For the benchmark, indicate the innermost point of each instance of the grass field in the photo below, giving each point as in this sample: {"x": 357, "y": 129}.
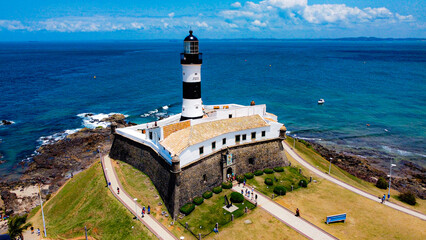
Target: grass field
{"x": 317, "y": 160}
{"x": 289, "y": 177}
{"x": 263, "y": 225}
{"x": 86, "y": 201}
{"x": 366, "y": 219}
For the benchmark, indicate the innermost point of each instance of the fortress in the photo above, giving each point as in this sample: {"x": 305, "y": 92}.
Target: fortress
{"x": 190, "y": 153}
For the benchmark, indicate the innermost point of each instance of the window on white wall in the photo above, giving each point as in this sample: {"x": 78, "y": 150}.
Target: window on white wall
{"x": 224, "y": 141}
{"x": 213, "y": 145}
{"x": 237, "y": 138}
{"x": 201, "y": 150}
{"x": 263, "y": 133}
{"x": 244, "y": 137}
{"x": 253, "y": 135}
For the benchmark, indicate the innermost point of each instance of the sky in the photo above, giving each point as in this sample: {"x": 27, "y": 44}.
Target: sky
{"x": 49, "y": 20}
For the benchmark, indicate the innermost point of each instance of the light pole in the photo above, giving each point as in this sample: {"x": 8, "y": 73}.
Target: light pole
{"x": 294, "y": 141}
{"x": 42, "y": 212}
{"x": 390, "y": 177}
{"x": 136, "y": 212}
{"x": 329, "y": 168}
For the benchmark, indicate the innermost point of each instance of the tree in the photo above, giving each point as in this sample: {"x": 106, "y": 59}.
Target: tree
{"x": 382, "y": 183}
{"x": 17, "y": 226}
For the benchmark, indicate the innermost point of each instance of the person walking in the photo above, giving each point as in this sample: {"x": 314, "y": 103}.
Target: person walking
{"x": 118, "y": 190}
{"x": 383, "y": 198}
{"x": 149, "y": 209}
{"x": 32, "y": 230}
{"x": 242, "y": 192}
{"x": 38, "y": 231}
{"x": 297, "y": 212}
{"x": 255, "y": 198}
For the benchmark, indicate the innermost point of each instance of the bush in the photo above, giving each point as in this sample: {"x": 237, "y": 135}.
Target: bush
{"x": 237, "y": 197}
{"x": 303, "y": 183}
{"x": 268, "y": 171}
{"x": 280, "y": 190}
{"x": 226, "y": 185}
{"x": 407, "y": 197}
{"x": 217, "y": 189}
{"x": 278, "y": 169}
{"x": 187, "y": 208}
{"x": 198, "y": 200}
{"x": 269, "y": 182}
{"x": 258, "y": 172}
{"x": 207, "y": 195}
{"x": 382, "y": 183}
{"x": 249, "y": 175}
{"x": 240, "y": 179}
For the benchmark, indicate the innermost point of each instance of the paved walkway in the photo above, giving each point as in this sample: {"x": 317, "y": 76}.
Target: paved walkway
{"x": 149, "y": 221}
{"x": 349, "y": 187}
{"x": 299, "y": 224}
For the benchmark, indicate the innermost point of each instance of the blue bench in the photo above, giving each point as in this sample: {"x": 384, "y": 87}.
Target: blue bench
{"x": 336, "y": 218}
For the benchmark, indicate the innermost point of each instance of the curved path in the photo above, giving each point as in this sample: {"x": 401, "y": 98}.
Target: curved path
{"x": 349, "y": 187}
{"x": 281, "y": 213}
{"x": 160, "y": 231}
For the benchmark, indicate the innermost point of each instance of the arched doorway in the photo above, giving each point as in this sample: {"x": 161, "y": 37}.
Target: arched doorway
{"x": 229, "y": 172}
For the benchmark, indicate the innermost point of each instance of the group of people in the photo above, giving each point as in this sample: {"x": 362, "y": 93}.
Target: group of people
{"x": 247, "y": 193}
{"x": 143, "y": 210}
{"x": 32, "y": 231}
{"x": 230, "y": 177}
{"x": 384, "y": 198}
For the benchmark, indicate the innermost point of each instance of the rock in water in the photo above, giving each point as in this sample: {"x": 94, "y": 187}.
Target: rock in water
{"x": 6, "y": 122}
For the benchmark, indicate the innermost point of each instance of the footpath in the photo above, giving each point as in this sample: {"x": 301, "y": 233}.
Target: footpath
{"x": 349, "y": 187}
{"x": 160, "y": 231}
{"x": 281, "y": 213}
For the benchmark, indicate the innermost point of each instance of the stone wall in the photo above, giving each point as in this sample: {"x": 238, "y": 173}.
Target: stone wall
{"x": 193, "y": 180}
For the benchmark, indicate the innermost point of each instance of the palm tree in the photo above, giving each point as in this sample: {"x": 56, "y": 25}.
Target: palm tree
{"x": 17, "y": 226}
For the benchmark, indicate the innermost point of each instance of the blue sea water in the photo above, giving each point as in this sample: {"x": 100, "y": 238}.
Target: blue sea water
{"x": 45, "y": 85}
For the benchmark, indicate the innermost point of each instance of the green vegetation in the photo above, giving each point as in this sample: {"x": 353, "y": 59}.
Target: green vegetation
{"x": 217, "y": 189}
{"x": 278, "y": 169}
{"x": 205, "y": 216}
{"x": 268, "y": 171}
{"x": 240, "y": 178}
{"x": 303, "y": 183}
{"x": 226, "y": 185}
{"x": 198, "y": 200}
{"x": 280, "y": 190}
{"x": 249, "y": 175}
{"x": 237, "y": 197}
{"x": 207, "y": 195}
{"x": 288, "y": 177}
{"x": 17, "y": 225}
{"x": 408, "y": 197}
{"x": 187, "y": 208}
{"x": 382, "y": 183}
{"x": 269, "y": 182}
{"x": 258, "y": 172}
{"x": 85, "y": 201}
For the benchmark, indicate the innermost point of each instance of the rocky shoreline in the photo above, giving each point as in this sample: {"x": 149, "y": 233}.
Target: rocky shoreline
{"x": 54, "y": 164}
{"x": 59, "y": 161}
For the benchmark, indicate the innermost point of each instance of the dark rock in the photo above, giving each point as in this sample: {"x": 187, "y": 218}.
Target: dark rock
{"x": 6, "y": 122}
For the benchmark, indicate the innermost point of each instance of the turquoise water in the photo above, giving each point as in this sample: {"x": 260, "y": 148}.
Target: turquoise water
{"x": 44, "y": 86}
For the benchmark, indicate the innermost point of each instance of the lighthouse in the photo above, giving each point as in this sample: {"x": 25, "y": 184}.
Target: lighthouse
{"x": 191, "y": 60}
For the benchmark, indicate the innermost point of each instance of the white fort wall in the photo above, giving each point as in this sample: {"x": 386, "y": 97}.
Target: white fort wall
{"x": 192, "y": 153}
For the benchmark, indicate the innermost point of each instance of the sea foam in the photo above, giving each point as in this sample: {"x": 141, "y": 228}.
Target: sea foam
{"x": 93, "y": 120}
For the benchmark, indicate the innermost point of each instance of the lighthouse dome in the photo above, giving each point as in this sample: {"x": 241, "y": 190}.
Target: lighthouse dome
{"x": 190, "y": 37}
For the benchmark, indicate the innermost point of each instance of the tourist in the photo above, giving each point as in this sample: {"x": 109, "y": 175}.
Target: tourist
{"x": 297, "y": 212}
{"x": 248, "y": 194}
{"x": 38, "y": 231}
{"x": 32, "y": 230}
{"x": 255, "y": 198}
{"x": 118, "y": 190}
{"x": 215, "y": 230}
{"x": 242, "y": 192}
{"x": 383, "y": 198}
{"x": 252, "y": 189}
{"x": 149, "y": 209}
{"x": 244, "y": 183}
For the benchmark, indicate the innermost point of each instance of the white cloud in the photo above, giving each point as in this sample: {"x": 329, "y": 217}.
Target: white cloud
{"x": 201, "y": 24}
{"x": 171, "y": 15}
{"x": 284, "y": 4}
{"x": 12, "y": 25}
{"x": 236, "y": 4}
{"x": 258, "y": 23}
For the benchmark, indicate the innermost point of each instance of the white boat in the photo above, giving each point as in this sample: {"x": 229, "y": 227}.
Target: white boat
{"x": 321, "y": 101}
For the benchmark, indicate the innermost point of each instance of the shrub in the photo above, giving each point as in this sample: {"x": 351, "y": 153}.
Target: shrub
{"x": 249, "y": 175}
{"x": 226, "y": 185}
{"x": 240, "y": 178}
{"x": 303, "y": 183}
{"x": 258, "y": 172}
{"x": 237, "y": 197}
{"x": 207, "y": 195}
{"x": 269, "y": 181}
{"x": 278, "y": 169}
{"x": 217, "y": 189}
{"x": 198, "y": 200}
{"x": 268, "y": 171}
{"x": 407, "y": 197}
{"x": 382, "y": 183}
{"x": 187, "y": 208}
{"x": 280, "y": 190}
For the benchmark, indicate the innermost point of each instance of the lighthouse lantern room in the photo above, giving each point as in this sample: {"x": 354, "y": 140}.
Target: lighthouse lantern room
{"x": 191, "y": 60}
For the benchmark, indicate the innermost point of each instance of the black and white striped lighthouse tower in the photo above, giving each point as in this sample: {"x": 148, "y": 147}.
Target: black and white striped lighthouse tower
{"x": 191, "y": 60}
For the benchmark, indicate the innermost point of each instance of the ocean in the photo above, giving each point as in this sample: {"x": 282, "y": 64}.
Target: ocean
{"x": 374, "y": 91}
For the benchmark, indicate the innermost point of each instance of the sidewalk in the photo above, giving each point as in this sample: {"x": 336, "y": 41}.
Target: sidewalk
{"x": 160, "y": 231}
{"x": 299, "y": 224}
{"x": 349, "y": 187}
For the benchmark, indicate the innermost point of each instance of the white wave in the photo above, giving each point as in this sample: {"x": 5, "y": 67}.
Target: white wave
{"x": 45, "y": 140}
{"x": 153, "y": 111}
{"x": 92, "y": 120}
{"x": 158, "y": 113}
{"x": 11, "y": 122}
{"x": 165, "y": 107}
{"x": 397, "y": 151}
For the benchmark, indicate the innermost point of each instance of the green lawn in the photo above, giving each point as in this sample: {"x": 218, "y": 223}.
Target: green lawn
{"x": 289, "y": 177}
{"x": 86, "y": 201}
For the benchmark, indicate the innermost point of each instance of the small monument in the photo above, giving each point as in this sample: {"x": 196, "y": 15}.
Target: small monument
{"x": 228, "y": 205}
